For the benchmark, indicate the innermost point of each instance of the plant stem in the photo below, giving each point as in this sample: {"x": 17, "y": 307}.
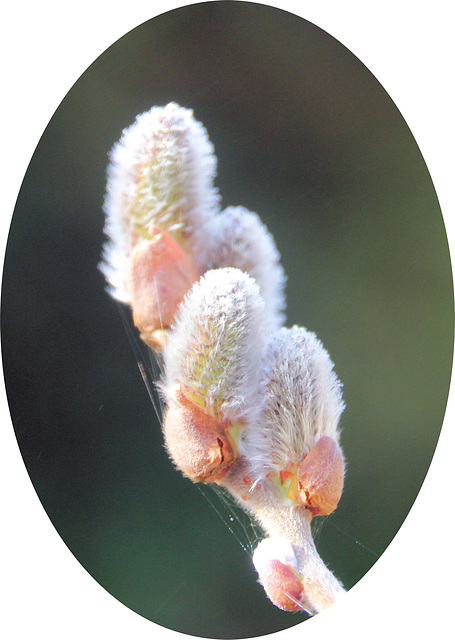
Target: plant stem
{"x": 320, "y": 587}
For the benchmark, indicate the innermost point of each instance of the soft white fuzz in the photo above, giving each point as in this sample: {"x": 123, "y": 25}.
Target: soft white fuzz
{"x": 275, "y": 548}
{"x": 216, "y": 344}
{"x": 302, "y": 402}
{"x": 238, "y": 238}
{"x": 248, "y": 401}
{"x": 161, "y": 173}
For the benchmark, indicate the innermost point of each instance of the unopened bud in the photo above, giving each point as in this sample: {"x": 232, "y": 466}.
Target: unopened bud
{"x": 302, "y": 403}
{"x": 160, "y": 174}
{"x": 238, "y": 238}
{"x": 277, "y": 567}
{"x": 216, "y": 344}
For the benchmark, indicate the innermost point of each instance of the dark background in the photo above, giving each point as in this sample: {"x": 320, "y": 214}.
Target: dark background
{"x": 306, "y": 137}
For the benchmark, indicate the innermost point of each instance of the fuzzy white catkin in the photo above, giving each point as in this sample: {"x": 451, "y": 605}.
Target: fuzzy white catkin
{"x": 215, "y": 346}
{"x": 161, "y": 172}
{"x": 302, "y": 403}
{"x": 238, "y": 238}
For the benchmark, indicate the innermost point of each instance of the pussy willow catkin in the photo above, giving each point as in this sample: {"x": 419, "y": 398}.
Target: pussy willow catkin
{"x": 251, "y": 405}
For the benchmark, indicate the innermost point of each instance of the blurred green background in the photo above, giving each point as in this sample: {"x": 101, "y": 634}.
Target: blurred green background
{"x": 306, "y": 137}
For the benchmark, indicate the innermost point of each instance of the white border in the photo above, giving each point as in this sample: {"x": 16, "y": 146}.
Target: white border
{"x": 45, "y": 47}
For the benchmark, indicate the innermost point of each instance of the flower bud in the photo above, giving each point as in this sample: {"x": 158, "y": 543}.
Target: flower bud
{"x": 238, "y": 238}
{"x": 160, "y": 174}
{"x": 276, "y": 563}
{"x": 302, "y": 403}
{"x": 214, "y": 349}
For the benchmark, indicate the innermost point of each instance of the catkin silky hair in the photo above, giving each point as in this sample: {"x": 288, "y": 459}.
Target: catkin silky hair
{"x": 250, "y": 405}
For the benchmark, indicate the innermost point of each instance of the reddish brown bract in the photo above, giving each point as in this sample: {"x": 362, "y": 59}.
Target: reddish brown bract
{"x": 320, "y": 477}
{"x": 282, "y": 585}
{"x": 196, "y": 441}
{"x": 160, "y": 273}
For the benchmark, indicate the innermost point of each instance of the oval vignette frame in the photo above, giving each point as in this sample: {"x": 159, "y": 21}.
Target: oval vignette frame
{"x": 297, "y": 318}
